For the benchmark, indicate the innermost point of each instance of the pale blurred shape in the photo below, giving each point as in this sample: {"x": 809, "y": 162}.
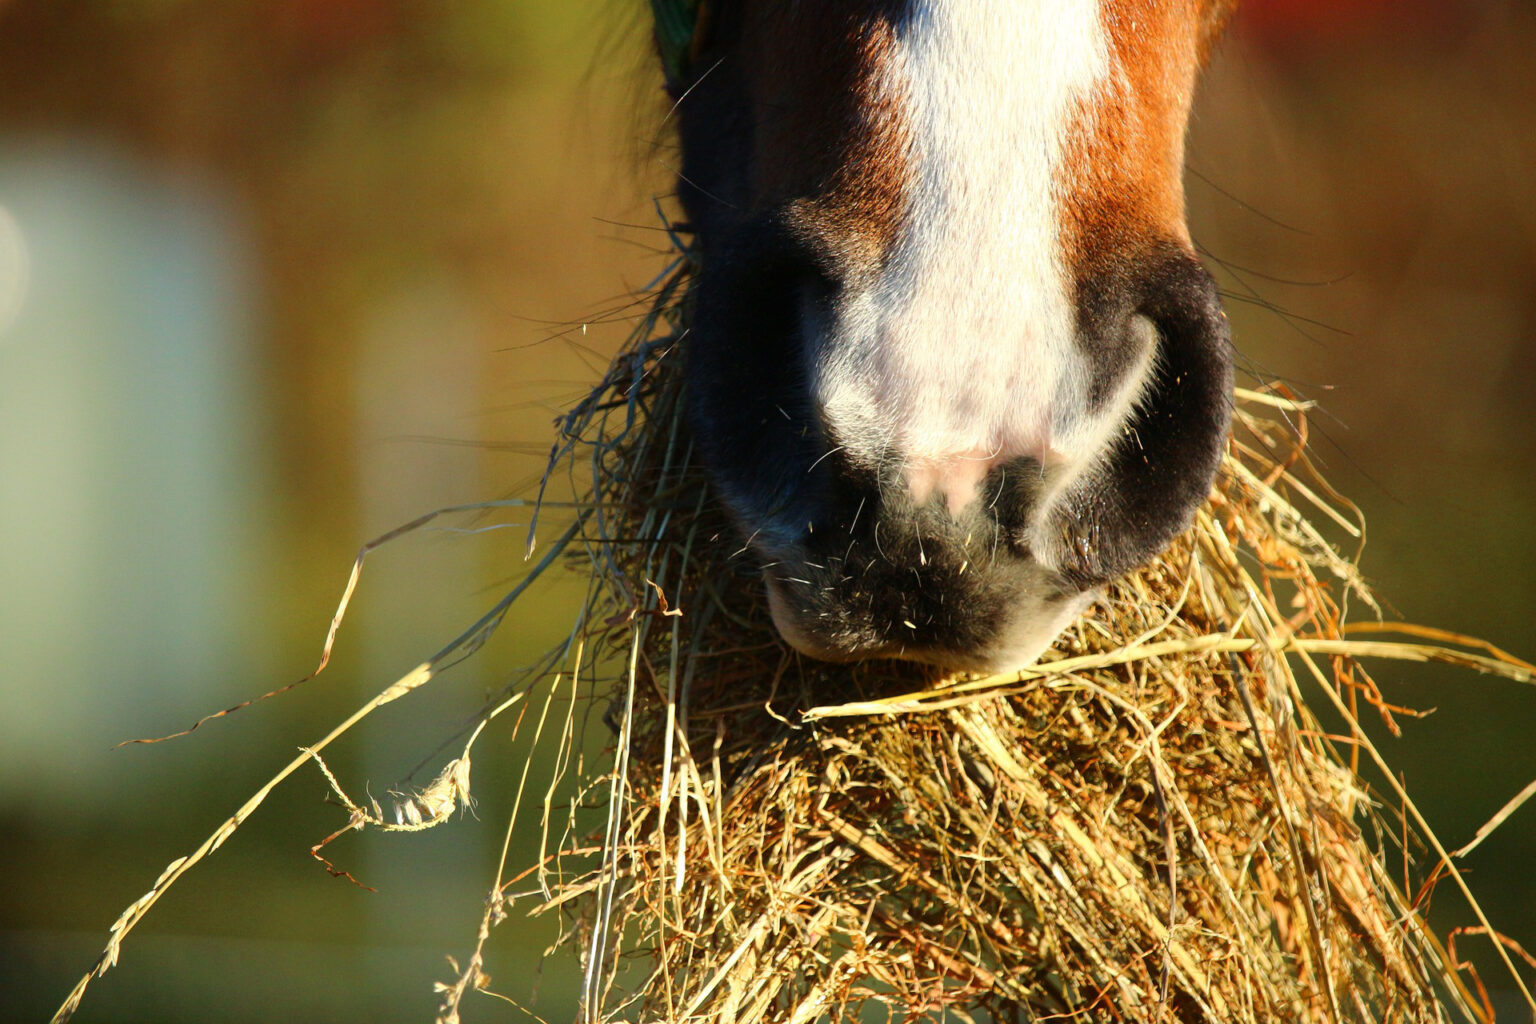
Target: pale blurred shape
{"x": 128, "y": 436}
{"x": 15, "y": 270}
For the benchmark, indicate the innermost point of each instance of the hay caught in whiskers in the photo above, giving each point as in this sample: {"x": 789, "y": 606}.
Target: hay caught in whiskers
{"x": 1151, "y": 824}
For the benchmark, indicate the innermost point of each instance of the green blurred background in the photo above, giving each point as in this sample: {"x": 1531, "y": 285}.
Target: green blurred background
{"x": 277, "y": 275}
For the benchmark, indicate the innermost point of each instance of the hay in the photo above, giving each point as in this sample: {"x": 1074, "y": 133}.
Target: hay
{"x": 1149, "y": 825}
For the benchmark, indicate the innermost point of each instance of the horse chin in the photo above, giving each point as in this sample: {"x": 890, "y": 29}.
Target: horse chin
{"x": 792, "y": 633}
{"x": 1025, "y": 635}
{"x": 1033, "y": 637}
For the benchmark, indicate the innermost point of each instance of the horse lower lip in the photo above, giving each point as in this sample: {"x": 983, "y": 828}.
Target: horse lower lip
{"x": 796, "y": 637}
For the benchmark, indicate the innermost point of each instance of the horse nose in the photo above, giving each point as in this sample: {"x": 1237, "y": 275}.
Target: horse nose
{"x": 943, "y": 533}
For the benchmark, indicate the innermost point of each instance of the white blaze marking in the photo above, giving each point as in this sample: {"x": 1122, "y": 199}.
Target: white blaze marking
{"x": 961, "y": 353}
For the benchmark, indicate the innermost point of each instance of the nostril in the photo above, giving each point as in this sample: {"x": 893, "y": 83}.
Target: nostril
{"x": 1161, "y": 466}
{"x": 1008, "y": 507}
{"x": 751, "y": 407}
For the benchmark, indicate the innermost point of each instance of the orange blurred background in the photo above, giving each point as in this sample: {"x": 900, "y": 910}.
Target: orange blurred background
{"x": 277, "y": 275}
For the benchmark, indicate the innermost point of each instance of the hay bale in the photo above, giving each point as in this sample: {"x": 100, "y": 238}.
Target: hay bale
{"x": 1149, "y": 825}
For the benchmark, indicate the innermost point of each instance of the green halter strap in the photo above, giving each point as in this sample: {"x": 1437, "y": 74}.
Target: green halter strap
{"x": 676, "y": 23}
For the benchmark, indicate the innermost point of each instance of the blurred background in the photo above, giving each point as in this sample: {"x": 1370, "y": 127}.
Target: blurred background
{"x": 278, "y": 275}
